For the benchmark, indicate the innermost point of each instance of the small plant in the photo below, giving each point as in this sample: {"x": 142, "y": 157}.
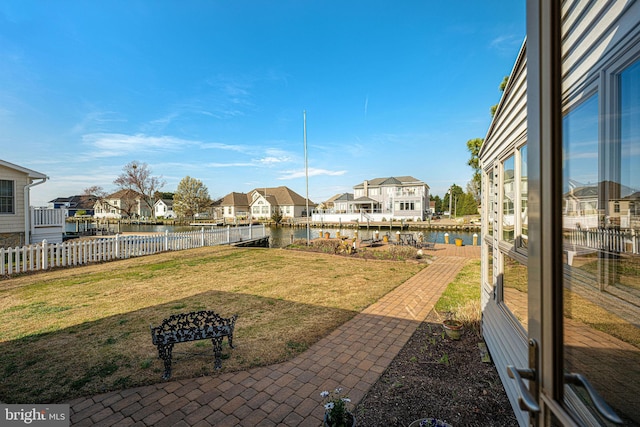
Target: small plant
{"x": 336, "y": 413}
{"x": 444, "y": 359}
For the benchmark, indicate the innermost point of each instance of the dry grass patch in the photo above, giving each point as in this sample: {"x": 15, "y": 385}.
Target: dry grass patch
{"x": 461, "y": 298}
{"x": 85, "y": 330}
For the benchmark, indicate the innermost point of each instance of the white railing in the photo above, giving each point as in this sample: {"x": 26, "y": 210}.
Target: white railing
{"x": 361, "y": 217}
{"x": 73, "y": 253}
{"x": 609, "y": 240}
{"x": 44, "y": 217}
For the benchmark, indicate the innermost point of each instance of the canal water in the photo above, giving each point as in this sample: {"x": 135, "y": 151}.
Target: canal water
{"x": 283, "y": 236}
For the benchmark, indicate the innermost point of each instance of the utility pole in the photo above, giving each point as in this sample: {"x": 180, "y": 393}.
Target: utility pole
{"x": 455, "y": 209}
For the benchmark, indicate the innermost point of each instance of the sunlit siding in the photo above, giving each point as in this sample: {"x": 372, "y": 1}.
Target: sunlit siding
{"x": 14, "y": 223}
{"x": 508, "y": 130}
{"x": 596, "y": 35}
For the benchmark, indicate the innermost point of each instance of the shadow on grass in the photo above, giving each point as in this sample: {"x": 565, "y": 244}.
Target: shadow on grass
{"x": 116, "y": 352}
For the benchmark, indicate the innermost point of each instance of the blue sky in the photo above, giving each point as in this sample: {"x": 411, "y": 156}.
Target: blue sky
{"x": 216, "y": 90}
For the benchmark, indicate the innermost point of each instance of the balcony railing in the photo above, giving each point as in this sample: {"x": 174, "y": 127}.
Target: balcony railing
{"x": 44, "y": 217}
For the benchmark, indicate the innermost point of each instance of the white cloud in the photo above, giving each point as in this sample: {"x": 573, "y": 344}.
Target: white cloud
{"x": 230, "y": 165}
{"x": 295, "y": 174}
{"x": 270, "y": 160}
{"x": 96, "y": 121}
{"x": 117, "y": 144}
{"x": 506, "y": 43}
{"x": 221, "y": 146}
{"x": 162, "y": 122}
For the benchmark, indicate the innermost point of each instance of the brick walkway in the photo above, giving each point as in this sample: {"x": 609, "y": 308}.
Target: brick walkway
{"x": 287, "y": 394}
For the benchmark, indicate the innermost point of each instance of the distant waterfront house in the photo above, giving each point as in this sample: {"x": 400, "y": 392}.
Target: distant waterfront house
{"x": 21, "y": 224}
{"x": 266, "y": 201}
{"x": 122, "y": 204}
{"x": 164, "y": 208}
{"x": 74, "y": 204}
{"x": 216, "y": 209}
{"x": 625, "y": 212}
{"x": 235, "y": 206}
{"x": 340, "y": 203}
{"x": 263, "y": 202}
{"x": 398, "y": 198}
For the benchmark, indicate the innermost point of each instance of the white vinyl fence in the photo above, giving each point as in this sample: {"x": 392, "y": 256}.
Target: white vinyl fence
{"x": 609, "y": 240}
{"x": 71, "y": 253}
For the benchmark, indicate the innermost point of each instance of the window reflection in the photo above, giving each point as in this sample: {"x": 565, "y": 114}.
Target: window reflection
{"x": 515, "y": 288}
{"x": 601, "y": 228}
{"x": 524, "y": 193}
{"x": 508, "y": 201}
{"x": 492, "y": 199}
{"x": 489, "y": 266}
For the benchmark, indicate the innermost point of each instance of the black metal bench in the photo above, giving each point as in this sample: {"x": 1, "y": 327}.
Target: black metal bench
{"x": 185, "y": 327}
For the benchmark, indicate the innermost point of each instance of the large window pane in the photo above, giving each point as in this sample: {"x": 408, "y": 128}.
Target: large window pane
{"x": 601, "y": 184}
{"x": 515, "y": 289}
{"x": 491, "y": 195}
{"x": 6, "y": 196}
{"x": 524, "y": 193}
{"x": 489, "y": 265}
{"x": 508, "y": 200}
{"x": 630, "y": 135}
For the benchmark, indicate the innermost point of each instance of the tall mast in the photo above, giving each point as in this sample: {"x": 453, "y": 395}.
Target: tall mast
{"x": 306, "y": 170}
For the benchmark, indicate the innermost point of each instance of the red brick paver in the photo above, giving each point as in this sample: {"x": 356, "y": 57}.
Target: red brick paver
{"x": 353, "y": 356}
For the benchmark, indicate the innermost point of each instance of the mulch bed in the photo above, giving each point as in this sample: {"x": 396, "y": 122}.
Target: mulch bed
{"x": 434, "y": 376}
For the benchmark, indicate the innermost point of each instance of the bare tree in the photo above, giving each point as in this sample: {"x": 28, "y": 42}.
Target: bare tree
{"x": 137, "y": 176}
{"x": 95, "y": 190}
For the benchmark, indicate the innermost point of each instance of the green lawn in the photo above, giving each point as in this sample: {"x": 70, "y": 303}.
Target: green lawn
{"x": 85, "y": 330}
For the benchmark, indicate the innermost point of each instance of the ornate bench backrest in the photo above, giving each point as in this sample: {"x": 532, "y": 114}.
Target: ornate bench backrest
{"x": 192, "y": 326}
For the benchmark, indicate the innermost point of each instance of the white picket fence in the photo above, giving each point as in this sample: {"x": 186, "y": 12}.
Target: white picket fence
{"x": 73, "y": 253}
{"x": 609, "y": 240}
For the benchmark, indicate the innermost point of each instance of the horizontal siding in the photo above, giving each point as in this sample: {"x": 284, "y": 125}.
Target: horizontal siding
{"x": 506, "y": 348}
{"x": 50, "y": 234}
{"x": 11, "y": 223}
{"x": 509, "y": 125}
{"x": 508, "y": 129}
{"x": 595, "y": 36}
{"x": 14, "y": 223}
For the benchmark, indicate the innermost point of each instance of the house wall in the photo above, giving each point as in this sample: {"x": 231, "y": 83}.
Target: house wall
{"x": 161, "y": 209}
{"x": 299, "y": 210}
{"x": 110, "y": 211}
{"x": 12, "y": 225}
{"x": 601, "y": 37}
{"x": 231, "y": 212}
{"x": 500, "y": 327}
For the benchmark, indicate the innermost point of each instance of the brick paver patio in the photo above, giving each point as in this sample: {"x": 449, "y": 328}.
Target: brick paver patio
{"x": 287, "y": 394}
